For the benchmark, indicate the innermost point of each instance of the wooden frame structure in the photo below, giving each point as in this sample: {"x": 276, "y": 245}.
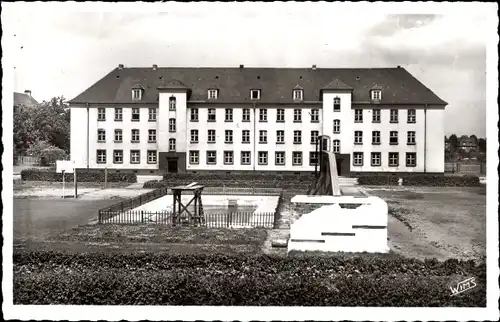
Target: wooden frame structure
{"x": 181, "y": 215}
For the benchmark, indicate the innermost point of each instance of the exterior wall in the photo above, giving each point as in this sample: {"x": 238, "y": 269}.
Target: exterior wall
{"x": 109, "y": 125}
{"x": 435, "y": 146}
{"x": 385, "y": 127}
{"x": 78, "y": 137}
{"x": 220, "y": 125}
{"x": 346, "y": 117}
{"x": 163, "y": 118}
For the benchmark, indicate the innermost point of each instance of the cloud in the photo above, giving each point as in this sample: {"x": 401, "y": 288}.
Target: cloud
{"x": 395, "y": 23}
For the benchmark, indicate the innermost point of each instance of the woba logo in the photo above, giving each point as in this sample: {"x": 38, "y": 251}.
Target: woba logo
{"x": 463, "y": 286}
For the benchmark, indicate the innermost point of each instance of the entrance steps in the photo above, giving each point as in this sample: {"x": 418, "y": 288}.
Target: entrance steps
{"x": 346, "y": 181}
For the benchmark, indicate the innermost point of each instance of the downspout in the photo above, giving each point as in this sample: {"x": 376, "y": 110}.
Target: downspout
{"x": 425, "y": 138}
{"x": 88, "y": 137}
{"x": 254, "y": 138}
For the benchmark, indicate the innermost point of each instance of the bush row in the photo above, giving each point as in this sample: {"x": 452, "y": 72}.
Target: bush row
{"x": 82, "y": 176}
{"x": 421, "y": 180}
{"x": 217, "y": 279}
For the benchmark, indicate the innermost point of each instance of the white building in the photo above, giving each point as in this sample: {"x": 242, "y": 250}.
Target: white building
{"x": 167, "y": 120}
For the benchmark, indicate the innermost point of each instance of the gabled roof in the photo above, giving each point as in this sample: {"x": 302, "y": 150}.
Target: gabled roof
{"x": 337, "y": 84}
{"x": 376, "y": 87}
{"x": 22, "y": 99}
{"x": 173, "y": 84}
{"x": 234, "y": 84}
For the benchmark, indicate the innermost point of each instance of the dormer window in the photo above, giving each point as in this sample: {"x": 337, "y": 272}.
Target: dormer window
{"x": 212, "y": 94}
{"x": 255, "y": 94}
{"x": 136, "y": 94}
{"x": 297, "y": 94}
{"x": 376, "y": 94}
{"x": 172, "y": 103}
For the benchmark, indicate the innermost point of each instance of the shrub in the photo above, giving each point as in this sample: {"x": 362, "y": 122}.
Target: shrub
{"x": 219, "y": 279}
{"x": 374, "y": 180}
{"x": 154, "y": 184}
{"x": 420, "y": 180}
{"x": 82, "y": 176}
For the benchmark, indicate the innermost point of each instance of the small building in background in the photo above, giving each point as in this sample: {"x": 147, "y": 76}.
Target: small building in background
{"x": 23, "y": 100}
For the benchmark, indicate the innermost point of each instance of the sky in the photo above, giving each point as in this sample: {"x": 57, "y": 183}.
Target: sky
{"x": 63, "y": 52}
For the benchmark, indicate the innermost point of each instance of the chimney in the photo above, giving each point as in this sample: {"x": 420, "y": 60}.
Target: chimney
{"x": 242, "y": 66}
{"x": 314, "y": 67}
{"x": 155, "y": 67}
{"x": 120, "y": 66}
{"x": 399, "y": 66}
{"x": 27, "y": 92}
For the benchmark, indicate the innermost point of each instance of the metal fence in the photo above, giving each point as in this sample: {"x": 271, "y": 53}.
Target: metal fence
{"x": 132, "y": 203}
{"x": 465, "y": 168}
{"x": 209, "y": 220}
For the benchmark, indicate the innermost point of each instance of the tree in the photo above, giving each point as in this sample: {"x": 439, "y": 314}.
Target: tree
{"x": 453, "y": 142}
{"x": 474, "y": 139}
{"x": 52, "y": 120}
{"x": 47, "y": 153}
{"x": 24, "y": 131}
{"x": 482, "y": 145}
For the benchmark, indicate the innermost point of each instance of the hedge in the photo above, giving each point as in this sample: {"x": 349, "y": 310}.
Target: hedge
{"x": 82, "y": 176}
{"x": 421, "y": 180}
{"x": 218, "y": 279}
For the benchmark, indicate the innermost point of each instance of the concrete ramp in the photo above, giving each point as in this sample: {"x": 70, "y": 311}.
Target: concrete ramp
{"x": 328, "y": 181}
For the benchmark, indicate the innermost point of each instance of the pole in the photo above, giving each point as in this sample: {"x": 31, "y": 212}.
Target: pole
{"x": 74, "y": 178}
{"x": 63, "y": 182}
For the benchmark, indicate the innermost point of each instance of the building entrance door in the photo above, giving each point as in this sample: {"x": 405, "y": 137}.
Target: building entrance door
{"x": 172, "y": 165}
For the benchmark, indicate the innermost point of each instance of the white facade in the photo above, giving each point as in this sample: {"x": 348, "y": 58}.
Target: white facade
{"x": 427, "y": 150}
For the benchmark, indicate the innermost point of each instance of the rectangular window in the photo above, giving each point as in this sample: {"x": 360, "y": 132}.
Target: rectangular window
{"x": 245, "y": 157}
{"x": 229, "y": 136}
{"x": 211, "y": 136}
{"x": 101, "y": 135}
{"x": 118, "y": 156}
{"x": 172, "y": 102}
{"x": 297, "y": 94}
{"x": 411, "y": 138}
{"x": 394, "y": 116}
{"x": 212, "y": 94}
{"x": 152, "y": 114}
{"x": 314, "y": 116}
{"x": 255, "y": 94}
{"x": 101, "y": 114}
{"x": 376, "y": 116}
{"x": 393, "y": 139}
{"x": 152, "y": 135}
{"x": 135, "y": 156}
{"x": 245, "y": 136}
{"x": 136, "y": 94}
{"x": 280, "y": 158}
{"x": 211, "y": 115}
{"x": 336, "y": 146}
{"x": 101, "y": 156}
{"x": 376, "y": 94}
{"x": 262, "y": 157}
{"x": 280, "y": 115}
{"x": 280, "y": 136}
{"x": 336, "y": 126}
{"x": 376, "y": 159}
{"x": 411, "y": 159}
{"x": 357, "y": 159}
{"x": 246, "y": 115}
{"x": 358, "y": 137}
{"x": 194, "y": 136}
{"x": 336, "y": 104}
{"x": 194, "y": 114}
{"x": 297, "y": 115}
{"x": 412, "y": 116}
{"x": 228, "y": 157}
{"x": 314, "y": 137}
{"x": 262, "y": 136}
{"x": 358, "y": 116}
{"x": 376, "y": 137}
{"x": 297, "y": 137}
{"x": 228, "y": 115}
{"x": 262, "y": 115}
{"x": 152, "y": 156}
{"x": 135, "y": 136}
{"x": 118, "y": 136}
{"x": 172, "y": 125}
{"x": 171, "y": 145}
{"x": 194, "y": 157}
{"x": 297, "y": 158}
{"x": 393, "y": 159}
{"x": 211, "y": 157}
{"x": 313, "y": 158}
{"x": 135, "y": 114}
{"x": 118, "y": 114}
